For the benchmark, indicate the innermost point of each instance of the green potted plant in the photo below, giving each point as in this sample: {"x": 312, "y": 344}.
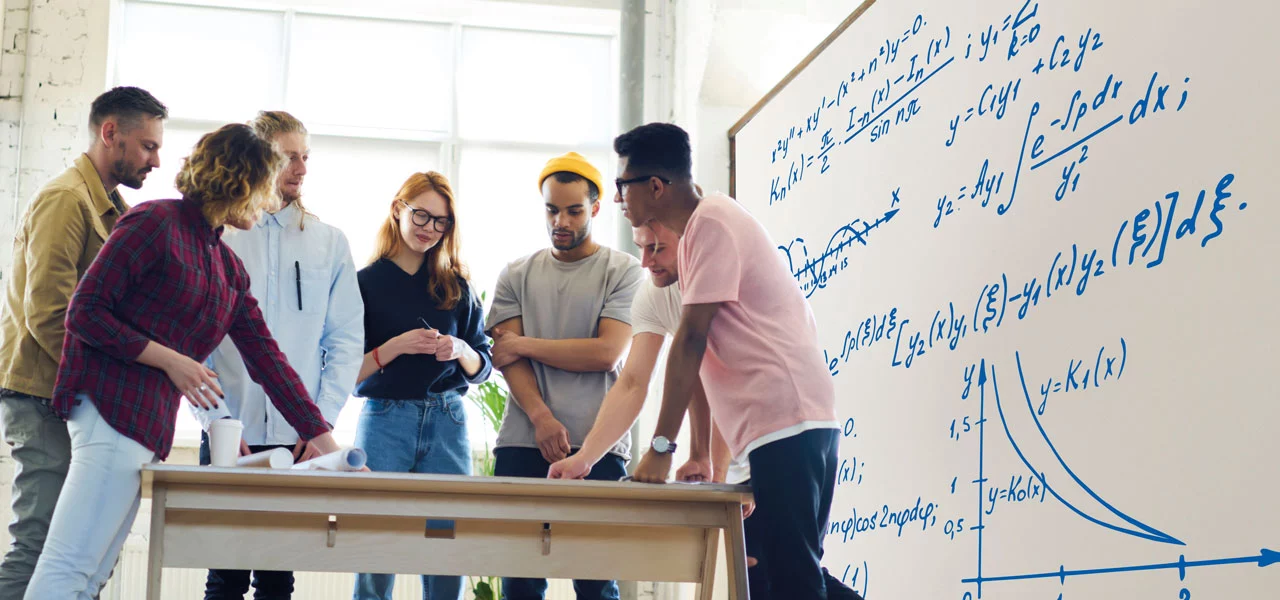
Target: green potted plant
{"x": 491, "y": 398}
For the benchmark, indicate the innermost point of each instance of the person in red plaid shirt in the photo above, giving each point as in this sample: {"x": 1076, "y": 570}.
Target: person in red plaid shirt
{"x": 162, "y": 293}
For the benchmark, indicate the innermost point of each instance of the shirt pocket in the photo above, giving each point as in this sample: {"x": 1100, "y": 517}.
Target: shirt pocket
{"x": 306, "y": 289}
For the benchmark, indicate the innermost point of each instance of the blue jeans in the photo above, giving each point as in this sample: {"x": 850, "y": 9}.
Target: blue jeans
{"x": 414, "y": 436}
{"x": 528, "y": 462}
{"x": 95, "y": 511}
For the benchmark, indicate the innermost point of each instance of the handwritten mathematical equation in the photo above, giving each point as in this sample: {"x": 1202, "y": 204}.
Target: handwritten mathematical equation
{"x": 919, "y": 516}
{"x": 815, "y": 273}
{"x": 1083, "y": 374}
{"x": 1079, "y": 108}
{"x": 857, "y": 576}
{"x": 1021, "y": 488}
{"x": 1142, "y": 240}
{"x": 891, "y": 100}
{"x": 1075, "y": 271}
{"x": 887, "y": 104}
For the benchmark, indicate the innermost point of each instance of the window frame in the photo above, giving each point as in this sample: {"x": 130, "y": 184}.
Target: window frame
{"x": 567, "y": 19}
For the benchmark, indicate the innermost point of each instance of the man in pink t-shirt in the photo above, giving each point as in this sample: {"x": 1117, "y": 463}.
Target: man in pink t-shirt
{"x": 748, "y": 332}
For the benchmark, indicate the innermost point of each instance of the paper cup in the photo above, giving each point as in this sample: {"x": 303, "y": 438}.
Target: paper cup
{"x": 224, "y": 442}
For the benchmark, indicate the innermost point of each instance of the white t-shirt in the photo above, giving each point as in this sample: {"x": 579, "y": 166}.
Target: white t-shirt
{"x": 657, "y": 310}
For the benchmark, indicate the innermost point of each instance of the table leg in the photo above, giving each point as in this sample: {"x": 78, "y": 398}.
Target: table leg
{"x": 155, "y": 554}
{"x": 736, "y": 553}
{"x": 712, "y": 545}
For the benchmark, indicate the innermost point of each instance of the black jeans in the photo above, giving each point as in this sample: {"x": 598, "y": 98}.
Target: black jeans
{"x": 528, "y": 462}
{"x": 793, "y": 480}
{"x": 230, "y": 584}
{"x": 758, "y": 578}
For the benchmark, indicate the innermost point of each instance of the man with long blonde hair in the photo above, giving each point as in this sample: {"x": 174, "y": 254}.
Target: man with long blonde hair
{"x": 302, "y": 272}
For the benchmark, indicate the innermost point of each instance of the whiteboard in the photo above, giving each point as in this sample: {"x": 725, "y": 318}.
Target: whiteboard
{"x": 1039, "y": 239}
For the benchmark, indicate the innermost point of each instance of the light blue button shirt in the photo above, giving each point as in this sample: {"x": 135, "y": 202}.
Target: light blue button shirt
{"x": 304, "y": 279}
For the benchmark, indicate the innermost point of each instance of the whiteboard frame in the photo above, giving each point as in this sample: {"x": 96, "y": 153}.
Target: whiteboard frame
{"x": 777, "y": 89}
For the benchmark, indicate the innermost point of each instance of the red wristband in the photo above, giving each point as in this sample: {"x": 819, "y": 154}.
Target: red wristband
{"x": 377, "y": 360}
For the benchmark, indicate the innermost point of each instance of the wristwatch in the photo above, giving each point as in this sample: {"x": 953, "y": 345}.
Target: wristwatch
{"x": 662, "y": 445}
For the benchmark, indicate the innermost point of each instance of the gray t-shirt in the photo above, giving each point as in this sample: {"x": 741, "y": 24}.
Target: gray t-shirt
{"x": 559, "y": 300}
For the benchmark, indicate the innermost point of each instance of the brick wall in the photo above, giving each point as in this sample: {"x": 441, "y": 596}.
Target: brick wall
{"x": 52, "y": 65}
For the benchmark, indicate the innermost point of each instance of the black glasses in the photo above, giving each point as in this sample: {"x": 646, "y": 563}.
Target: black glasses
{"x": 421, "y": 218}
{"x": 621, "y": 183}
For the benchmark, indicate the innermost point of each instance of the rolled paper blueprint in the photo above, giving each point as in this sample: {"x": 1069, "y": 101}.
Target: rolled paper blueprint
{"x": 347, "y": 459}
{"x": 278, "y": 458}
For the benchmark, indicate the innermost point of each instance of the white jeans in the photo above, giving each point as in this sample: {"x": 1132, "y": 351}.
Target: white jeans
{"x": 95, "y": 510}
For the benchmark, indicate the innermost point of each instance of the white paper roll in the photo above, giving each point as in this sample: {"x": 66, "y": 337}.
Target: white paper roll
{"x": 278, "y": 458}
{"x": 347, "y": 459}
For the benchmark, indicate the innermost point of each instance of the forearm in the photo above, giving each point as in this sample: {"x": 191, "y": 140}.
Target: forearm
{"x": 524, "y": 389}
{"x": 581, "y": 355}
{"x": 158, "y": 355}
{"x": 370, "y": 365}
{"x": 682, "y": 376}
{"x": 91, "y": 319}
{"x": 470, "y": 361}
{"x": 619, "y": 410}
{"x": 700, "y": 423}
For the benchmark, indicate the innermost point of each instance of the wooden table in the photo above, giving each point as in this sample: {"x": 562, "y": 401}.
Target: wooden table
{"x": 242, "y": 518}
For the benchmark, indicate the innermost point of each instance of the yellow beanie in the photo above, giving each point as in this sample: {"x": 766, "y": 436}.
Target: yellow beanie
{"x": 572, "y": 162}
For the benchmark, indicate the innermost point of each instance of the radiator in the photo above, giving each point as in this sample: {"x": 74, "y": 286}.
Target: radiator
{"x": 130, "y": 582}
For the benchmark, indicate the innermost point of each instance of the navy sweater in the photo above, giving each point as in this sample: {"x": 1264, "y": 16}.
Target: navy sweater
{"x": 394, "y": 302}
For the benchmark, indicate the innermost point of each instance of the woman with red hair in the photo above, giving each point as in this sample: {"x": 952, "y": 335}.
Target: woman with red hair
{"x": 425, "y": 345}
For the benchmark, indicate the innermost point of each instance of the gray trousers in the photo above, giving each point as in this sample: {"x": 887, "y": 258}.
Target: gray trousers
{"x": 41, "y": 450}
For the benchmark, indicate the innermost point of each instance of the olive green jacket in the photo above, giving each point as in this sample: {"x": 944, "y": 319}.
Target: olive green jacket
{"x": 57, "y": 239}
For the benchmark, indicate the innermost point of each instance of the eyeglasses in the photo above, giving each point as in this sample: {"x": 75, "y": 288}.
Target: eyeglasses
{"x": 421, "y": 218}
{"x": 621, "y": 183}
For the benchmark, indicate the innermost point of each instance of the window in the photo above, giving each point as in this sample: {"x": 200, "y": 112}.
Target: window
{"x": 561, "y": 82}
{"x": 483, "y": 92}
{"x": 392, "y": 76}
{"x": 203, "y": 63}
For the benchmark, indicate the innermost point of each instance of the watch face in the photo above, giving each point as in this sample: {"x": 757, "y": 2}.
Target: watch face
{"x": 660, "y": 444}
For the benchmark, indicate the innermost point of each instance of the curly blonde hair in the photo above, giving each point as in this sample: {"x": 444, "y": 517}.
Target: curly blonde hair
{"x": 232, "y": 174}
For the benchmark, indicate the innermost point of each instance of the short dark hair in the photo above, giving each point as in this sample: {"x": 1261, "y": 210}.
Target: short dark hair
{"x": 657, "y": 146}
{"x": 569, "y": 177}
{"x": 128, "y": 104}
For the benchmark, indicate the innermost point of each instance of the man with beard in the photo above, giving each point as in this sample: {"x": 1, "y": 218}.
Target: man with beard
{"x": 302, "y": 273}
{"x": 60, "y": 233}
{"x": 655, "y": 314}
{"x": 561, "y": 323}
